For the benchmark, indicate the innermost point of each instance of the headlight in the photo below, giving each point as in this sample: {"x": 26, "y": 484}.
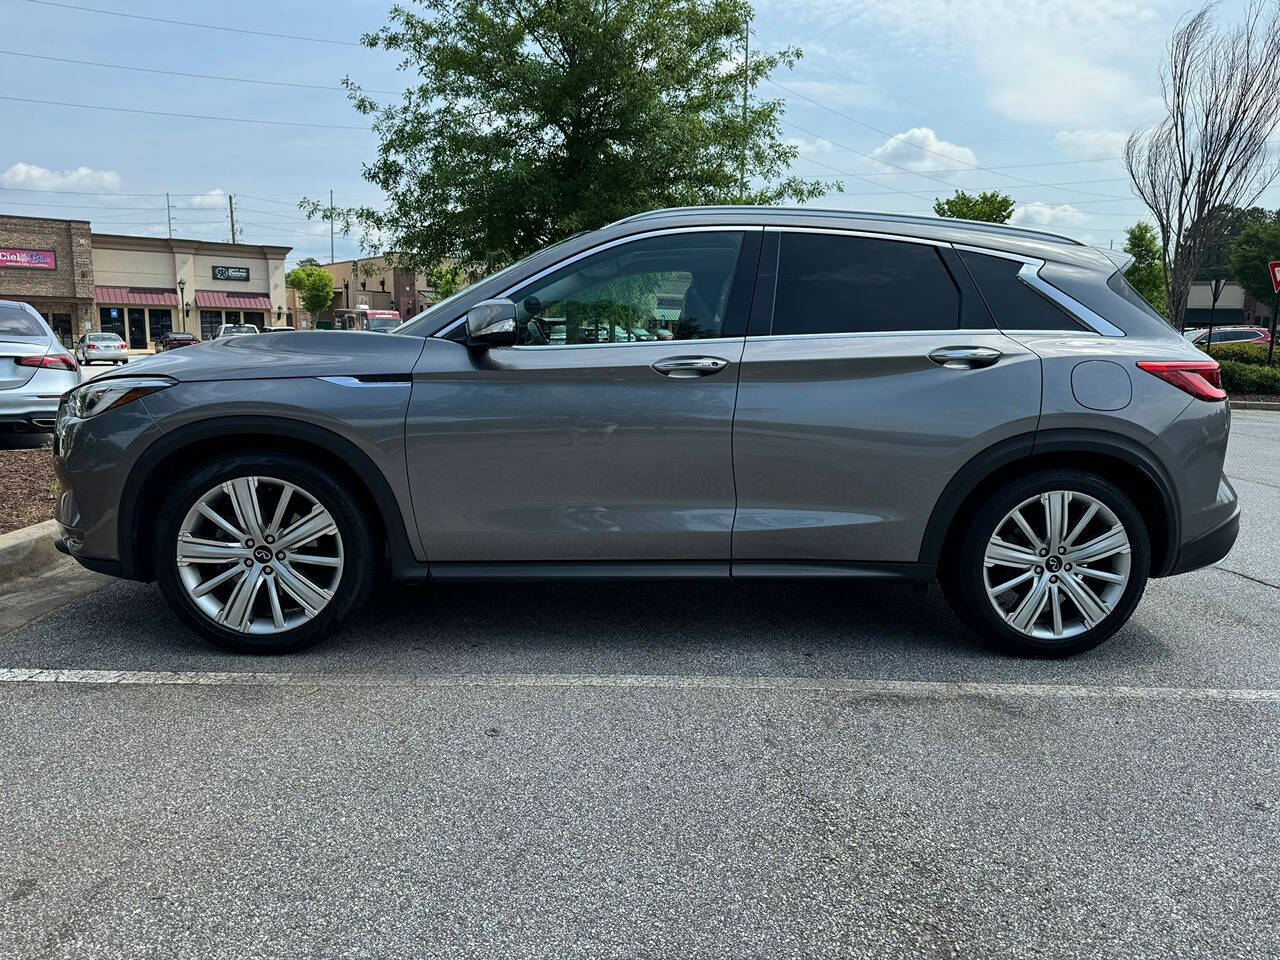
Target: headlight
{"x": 98, "y": 396}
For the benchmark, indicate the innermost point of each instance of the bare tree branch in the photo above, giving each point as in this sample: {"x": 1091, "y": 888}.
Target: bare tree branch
{"x": 1208, "y": 156}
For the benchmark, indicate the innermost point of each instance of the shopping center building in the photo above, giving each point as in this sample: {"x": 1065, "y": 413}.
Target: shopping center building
{"x": 137, "y": 287}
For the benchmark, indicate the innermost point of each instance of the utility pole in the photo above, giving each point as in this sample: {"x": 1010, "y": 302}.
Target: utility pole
{"x": 231, "y": 205}
{"x": 168, "y": 213}
{"x": 746, "y": 84}
{"x": 331, "y": 257}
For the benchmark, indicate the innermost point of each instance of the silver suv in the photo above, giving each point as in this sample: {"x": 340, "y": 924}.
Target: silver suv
{"x": 709, "y": 392}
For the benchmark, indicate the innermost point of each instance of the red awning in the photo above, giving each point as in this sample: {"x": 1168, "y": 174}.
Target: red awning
{"x": 137, "y": 296}
{"x": 221, "y": 300}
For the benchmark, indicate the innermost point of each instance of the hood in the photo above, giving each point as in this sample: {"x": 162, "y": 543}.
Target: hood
{"x": 303, "y": 353}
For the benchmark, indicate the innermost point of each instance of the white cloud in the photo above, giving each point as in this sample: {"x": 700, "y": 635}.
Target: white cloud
{"x": 1093, "y": 143}
{"x": 1048, "y": 215}
{"x": 805, "y": 147}
{"x": 921, "y": 149}
{"x": 28, "y": 176}
{"x": 1085, "y": 64}
{"x": 214, "y": 198}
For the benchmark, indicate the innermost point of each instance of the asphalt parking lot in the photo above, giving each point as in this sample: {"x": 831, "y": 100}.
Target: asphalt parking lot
{"x": 655, "y": 771}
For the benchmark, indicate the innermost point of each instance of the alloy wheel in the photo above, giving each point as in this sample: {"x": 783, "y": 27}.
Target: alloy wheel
{"x": 1057, "y": 564}
{"x": 259, "y": 555}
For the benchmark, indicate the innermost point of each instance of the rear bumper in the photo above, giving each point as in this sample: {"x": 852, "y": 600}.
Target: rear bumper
{"x": 1208, "y": 548}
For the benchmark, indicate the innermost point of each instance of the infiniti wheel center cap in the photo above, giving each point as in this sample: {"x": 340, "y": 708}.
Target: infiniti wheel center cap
{"x": 262, "y": 555}
{"x": 1053, "y": 564}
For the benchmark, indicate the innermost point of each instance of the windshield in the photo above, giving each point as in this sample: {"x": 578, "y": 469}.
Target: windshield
{"x": 238, "y": 329}
{"x": 411, "y": 325}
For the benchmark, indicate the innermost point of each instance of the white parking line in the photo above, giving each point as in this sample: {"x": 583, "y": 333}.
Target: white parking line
{"x": 953, "y": 689}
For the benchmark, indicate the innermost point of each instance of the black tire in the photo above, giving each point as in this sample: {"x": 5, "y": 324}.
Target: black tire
{"x": 359, "y": 553}
{"x": 962, "y": 580}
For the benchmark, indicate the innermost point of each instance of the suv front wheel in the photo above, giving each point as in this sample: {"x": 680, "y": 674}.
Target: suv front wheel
{"x": 1052, "y": 564}
{"x": 263, "y": 552}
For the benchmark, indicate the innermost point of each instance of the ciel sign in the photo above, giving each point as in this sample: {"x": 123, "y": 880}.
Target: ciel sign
{"x": 16, "y": 257}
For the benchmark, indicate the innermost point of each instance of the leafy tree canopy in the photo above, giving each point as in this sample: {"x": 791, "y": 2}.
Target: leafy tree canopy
{"x": 990, "y": 206}
{"x": 531, "y": 120}
{"x": 1146, "y": 273}
{"x": 1257, "y": 245}
{"x": 314, "y": 286}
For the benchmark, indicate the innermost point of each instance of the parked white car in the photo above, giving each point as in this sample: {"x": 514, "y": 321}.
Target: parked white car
{"x": 101, "y": 348}
{"x": 35, "y": 370}
{"x": 235, "y": 330}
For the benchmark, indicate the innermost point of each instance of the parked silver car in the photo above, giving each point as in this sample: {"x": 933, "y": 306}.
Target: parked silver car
{"x": 35, "y": 370}
{"x": 708, "y": 392}
{"x": 102, "y": 348}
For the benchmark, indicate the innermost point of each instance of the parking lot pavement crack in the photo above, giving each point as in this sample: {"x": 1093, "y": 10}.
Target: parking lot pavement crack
{"x": 1261, "y": 483}
{"x": 1245, "y": 576}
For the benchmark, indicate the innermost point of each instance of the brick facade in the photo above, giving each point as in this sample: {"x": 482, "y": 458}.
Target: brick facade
{"x": 64, "y": 292}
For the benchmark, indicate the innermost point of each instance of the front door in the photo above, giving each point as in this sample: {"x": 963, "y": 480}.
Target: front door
{"x": 137, "y": 329}
{"x": 874, "y": 381}
{"x": 606, "y": 433}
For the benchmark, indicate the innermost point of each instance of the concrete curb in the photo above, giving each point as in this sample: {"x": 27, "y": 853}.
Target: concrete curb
{"x": 1254, "y": 405}
{"x": 25, "y": 551}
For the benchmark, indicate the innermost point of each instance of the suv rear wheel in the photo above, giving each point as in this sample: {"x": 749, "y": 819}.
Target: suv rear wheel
{"x": 263, "y": 553}
{"x": 1053, "y": 564}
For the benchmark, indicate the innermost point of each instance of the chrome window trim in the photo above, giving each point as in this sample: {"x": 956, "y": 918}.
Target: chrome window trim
{"x": 958, "y": 333}
{"x": 591, "y": 251}
{"x": 1030, "y": 275}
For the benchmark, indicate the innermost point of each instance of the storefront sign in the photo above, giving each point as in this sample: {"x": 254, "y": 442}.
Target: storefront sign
{"x": 231, "y": 273}
{"x": 28, "y": 259}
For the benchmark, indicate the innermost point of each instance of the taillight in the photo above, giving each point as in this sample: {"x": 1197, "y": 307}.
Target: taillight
{"x": 54, "y": 361}
{"x": 1200, "y": 378}
{"x": 90, "y": 346}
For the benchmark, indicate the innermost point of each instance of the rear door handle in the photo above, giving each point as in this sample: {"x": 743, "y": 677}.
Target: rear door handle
{"x": 965, "y": 358}
{"x": 685, "y": 367}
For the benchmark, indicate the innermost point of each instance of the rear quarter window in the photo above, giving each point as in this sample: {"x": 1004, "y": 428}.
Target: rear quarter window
{"x": 1013, "y": 304}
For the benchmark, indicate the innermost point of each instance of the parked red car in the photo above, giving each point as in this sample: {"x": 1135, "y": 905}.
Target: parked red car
{"x": 1234, "y": 334}
{"x": 178, "y": 338}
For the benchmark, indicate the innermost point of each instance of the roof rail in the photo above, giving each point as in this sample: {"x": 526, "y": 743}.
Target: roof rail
{"x": 918, "y": 219}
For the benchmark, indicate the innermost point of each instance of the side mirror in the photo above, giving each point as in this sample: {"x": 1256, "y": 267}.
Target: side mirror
{"x": 492, "y": 323}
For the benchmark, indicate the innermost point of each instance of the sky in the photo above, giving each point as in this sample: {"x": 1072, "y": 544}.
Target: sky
{"x": 902, "y": 101}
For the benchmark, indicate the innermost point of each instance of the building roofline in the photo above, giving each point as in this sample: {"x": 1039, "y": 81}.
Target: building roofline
{"x": 23, "y": 216}
{"x": 124, "y": 241}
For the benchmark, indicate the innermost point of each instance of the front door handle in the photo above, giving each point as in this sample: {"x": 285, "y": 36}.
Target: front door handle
{"x": 686, "y": 367}
{"x": 965, "y": 358}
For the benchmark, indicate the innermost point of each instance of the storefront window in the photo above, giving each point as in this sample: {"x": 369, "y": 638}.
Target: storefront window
{"x": 161, "y": 323}
{"x": 254, "y": 317}
{"x": 111, "y": 320}
{"x": 210, "y": 321}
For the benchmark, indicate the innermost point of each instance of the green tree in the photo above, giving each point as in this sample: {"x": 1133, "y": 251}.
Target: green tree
{"x": 1256, "y": 246}
{"x": 531, "y": 120}
{"x": 314, "y": 286}
{"x": 1146, "y": 273}
{"x": 990, "y": 206}
{"x": 447, "y": 279}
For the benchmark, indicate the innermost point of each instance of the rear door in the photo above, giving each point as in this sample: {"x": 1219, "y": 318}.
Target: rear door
{"x": 876, "y": 375}
{"x": 605, "y": 435}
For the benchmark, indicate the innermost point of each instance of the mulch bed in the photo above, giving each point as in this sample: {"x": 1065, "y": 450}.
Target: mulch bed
{"x": 28, "y": 488}
{"x": 1264, "y": 397}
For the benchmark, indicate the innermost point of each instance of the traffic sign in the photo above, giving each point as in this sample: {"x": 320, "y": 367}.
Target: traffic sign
{"x": 1274, "y": 265}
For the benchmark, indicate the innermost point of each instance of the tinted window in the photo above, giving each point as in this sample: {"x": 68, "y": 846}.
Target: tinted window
{"x": 1122, "y": 286}
{"x": 104, "y": 338}
{"x": 1015, "y": 305}
{"x": 673, "y": 287}
{"x": 833, "y": 284}
{"x": 18, "y": 323}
